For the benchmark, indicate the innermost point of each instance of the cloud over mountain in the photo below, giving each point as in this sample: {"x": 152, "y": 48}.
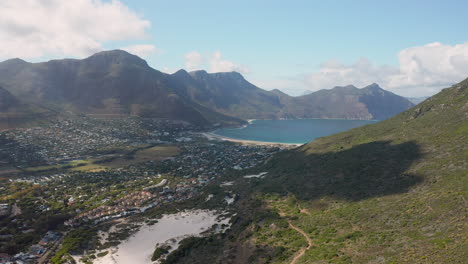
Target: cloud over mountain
{"x": 34, "y": 29}
{"x": 214, "y": 62}
{"x": 422, "y": 70}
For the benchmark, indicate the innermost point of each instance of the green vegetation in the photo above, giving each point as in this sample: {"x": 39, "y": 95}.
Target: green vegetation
{"x": 185, "y": 247}
{"x": 158, "y": 252}
{"x": 74, "y": 242}
{"x": 392, "y": 192}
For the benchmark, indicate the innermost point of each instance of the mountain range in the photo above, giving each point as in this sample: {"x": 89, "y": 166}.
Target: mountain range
{"x": 116, "y": 83}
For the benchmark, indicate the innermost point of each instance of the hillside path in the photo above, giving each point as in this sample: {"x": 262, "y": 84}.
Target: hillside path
{"x": 302, "y": 251}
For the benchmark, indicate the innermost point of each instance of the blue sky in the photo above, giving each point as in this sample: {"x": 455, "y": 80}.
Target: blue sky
{"x": 290, "y": 45}
{"x": 282, "y": 36}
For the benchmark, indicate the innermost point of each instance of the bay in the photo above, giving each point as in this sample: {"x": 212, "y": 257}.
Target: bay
{"x": 294, "y": 131}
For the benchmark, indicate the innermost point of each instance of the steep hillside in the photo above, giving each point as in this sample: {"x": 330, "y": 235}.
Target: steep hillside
{"x": 109, "y": 83}
{"x": 391, "y": 192}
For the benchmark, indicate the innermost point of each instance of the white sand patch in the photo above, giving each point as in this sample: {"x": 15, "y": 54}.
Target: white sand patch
{"x": 170, "y": 229}
{"x": 103, "y": 236}
{"x": 229, "y": 200}
{"x": 227, "y": 184}
{"x": 209, "y": 197}
{"x": 261, "y": 175}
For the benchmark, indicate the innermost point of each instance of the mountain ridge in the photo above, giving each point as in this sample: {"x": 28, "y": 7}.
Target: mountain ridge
{"x": 116, "y": 83}
{"x": 109, "y": 83}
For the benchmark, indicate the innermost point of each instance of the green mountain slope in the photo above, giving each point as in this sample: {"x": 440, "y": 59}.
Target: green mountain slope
{"x": 391, "y": 192}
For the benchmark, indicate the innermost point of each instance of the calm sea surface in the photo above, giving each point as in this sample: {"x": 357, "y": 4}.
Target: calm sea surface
{"x": 296, "y": 131}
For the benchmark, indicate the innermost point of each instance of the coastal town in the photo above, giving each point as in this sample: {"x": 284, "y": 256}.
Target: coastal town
{"x": 88, "y": 172}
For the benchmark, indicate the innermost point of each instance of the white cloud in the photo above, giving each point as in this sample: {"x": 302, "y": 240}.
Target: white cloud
{"x": 142, "y": 50}
{"x": 217, "y": 64}
{"x": 196, "y": 61}
{"x": 431, "y": 67}
{"x": 37, "y": 28}
{"x": 193, "y": 61}
{"x": 333, "y": 73}
{"x": 422, "y": 70}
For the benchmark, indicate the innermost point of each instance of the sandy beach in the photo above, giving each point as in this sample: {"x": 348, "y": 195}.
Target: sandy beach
{"x": 212, "y": 136}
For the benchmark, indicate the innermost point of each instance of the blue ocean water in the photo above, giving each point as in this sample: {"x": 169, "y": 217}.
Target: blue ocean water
{"x": 296, "y": 131}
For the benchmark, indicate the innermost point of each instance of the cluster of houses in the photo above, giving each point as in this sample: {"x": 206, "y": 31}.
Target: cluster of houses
{"x": 129, "y": 204}
{"x": 139, "y": 201}
{"x": 35, "y": 251}
{"x": 211, "y": 159}
{"x": 4, "y": 209}
{"x": 67, "y": 140}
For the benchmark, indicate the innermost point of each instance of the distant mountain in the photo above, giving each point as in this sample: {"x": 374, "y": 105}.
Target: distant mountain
{"x": 116, "y": 83}
{"x": 109, "y": 83}
{"x": 349, "y": 102}
{"x": 229, "y": 93}
{"x": 417, "y": 100}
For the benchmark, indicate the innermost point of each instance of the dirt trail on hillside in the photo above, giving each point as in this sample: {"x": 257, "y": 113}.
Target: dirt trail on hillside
{"x": 302, "y": 232}
{"x": 302, "y": 251}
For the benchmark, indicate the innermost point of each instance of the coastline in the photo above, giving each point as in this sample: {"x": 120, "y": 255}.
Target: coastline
{"x": 212, "y": 136}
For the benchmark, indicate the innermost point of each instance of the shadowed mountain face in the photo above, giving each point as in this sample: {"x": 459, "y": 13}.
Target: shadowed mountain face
{"x": 116, "y": 83}
{"x": 7, "y": 100}
{"x": 367, "y": 170}
{"x": 228, "y": 93}
{"x": 14, "y": 113}
{"x": 110, "y": 83}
